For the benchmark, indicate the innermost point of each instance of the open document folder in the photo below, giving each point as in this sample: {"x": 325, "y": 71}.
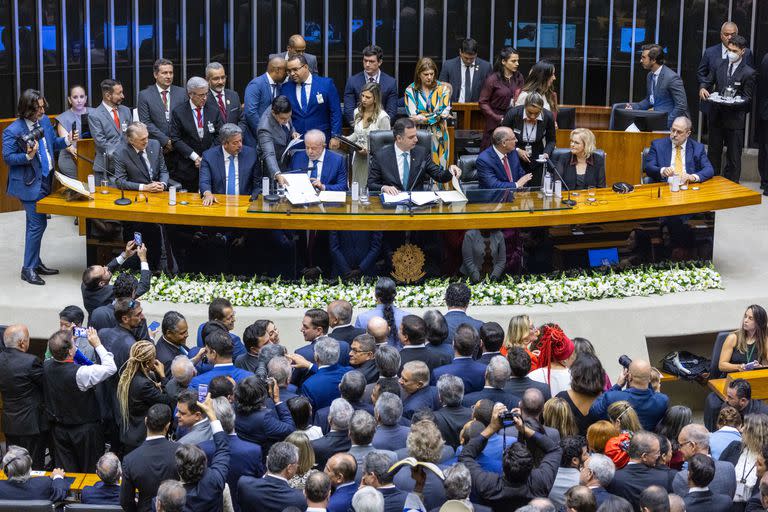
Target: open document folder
{"x": 421, "y": 198}
{"x": 299, "y": 189}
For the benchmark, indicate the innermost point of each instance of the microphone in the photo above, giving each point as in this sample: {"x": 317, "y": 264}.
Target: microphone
{"x": 415, "y": 180}
{"x": 122, "y": 200}
{"x": 569, "y": 201}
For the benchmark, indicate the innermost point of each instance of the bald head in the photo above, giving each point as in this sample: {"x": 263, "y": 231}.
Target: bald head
{"x": 296, "y": 44}
{"x": 640, "y": 373}
{"x": 16, "y": 336}
{"x": 275, "y": 63}
{"x": 697, "y": 435}
{"x": 504, "y": 139}
{"x": 676, "y": 503}
{"x": 378, "y": 328}
{"x": 532, "y": 403}
{"x": 277, "y": 69}
{"x": 341, "y": 468}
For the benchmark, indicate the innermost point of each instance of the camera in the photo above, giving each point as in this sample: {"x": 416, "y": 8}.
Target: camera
{"x": 509, "y": 416}
{"x": 625, "y": 361}
{"x": 35, "y": 134}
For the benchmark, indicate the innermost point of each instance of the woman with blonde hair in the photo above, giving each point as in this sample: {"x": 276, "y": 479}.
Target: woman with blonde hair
{"x": 139, "y": 388}
{"x": 558, "y": 415}
{"x": 743, "y": 455}
{"x": 598, "y": 435}
{"x": 585, "y": 167}
{"x": 369, "y": 116}
{"x": 521, "y": 332}
{"x": 428, "y": 102}
{"x": 624, "y": 417}
{"x": 306, "y": 458}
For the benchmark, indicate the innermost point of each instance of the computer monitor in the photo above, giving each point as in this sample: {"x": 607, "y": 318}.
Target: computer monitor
{"x": 645, "y": 120}
{"x": 603, "y": 257}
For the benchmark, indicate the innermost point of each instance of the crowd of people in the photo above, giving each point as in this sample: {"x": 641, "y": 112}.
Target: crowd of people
{"x": 376, "y": 412}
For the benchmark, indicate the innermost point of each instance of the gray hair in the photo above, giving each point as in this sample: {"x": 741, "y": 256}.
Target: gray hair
{"x": 676, "y": 503}
{"x": 497, "y": 372}
{"x": 228, "y": 131}
{"x": 315, "y": 134}
{"x": 368, "y": 499}
{"x": 108, "y": 468}
{"x": 326, "y": 351}
{"x": 387, "y": 361}
{"x": 212, "y": 66}
{"x": 458, "y": 482}
{"x": 13, "y": 335}
{"x": 602, "y": 467}
{"x": 641, "y": 443}
{"x": 341, "y": 309}
{"x": 450, "y": 390}
{"x": 279, "y": 368}
{"x": 686, "y": 119}
{"x": 134, "y": 128}
{"x": 17, "y": 464}
{"x": 419, "y": 370}
{"x": 534, "y": 99}
{"x": 195, "y": 83}
{"x": 339, "y": 414}
{"x": 172, "y": 496}
{"x": 281, "y": 455}
{"x": 378, "y": 463}
{"x": 182, "y": 370}
{"x": 362, "y": 428}
{"x": 352, "y": 385}
{"x": 388, "y": 409}
{"x": 698, "y": 434}
{"x": 225, "y": 413}
{"x": 367, "y": 343}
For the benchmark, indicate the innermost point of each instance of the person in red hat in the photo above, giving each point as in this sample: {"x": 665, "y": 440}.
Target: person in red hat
{"x": 556, "y": 355}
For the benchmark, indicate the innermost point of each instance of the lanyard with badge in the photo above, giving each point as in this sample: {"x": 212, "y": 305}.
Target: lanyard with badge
{"x": 744, "y": 491}
{"x": 528, "y": 137}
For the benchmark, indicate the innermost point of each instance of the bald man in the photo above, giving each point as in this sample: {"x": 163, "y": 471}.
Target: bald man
{"x": 379, "y": 329}
{"x": 499, "y": 166}
{"x": 297, "y": 45}
{"x": 715, "y": 55}
{"x": 341, "y": 469}
{"x": 649, "y": 405}
{"x": 679, "y": 154}
{"x": 693, "y": 439}
{"x": 259, "y": 94}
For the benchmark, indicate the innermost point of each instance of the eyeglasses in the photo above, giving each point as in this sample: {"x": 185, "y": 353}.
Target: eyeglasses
{"x": 359, "y": 351}
{"x": 295, "y": 70}
{"x": 687, "y": 442}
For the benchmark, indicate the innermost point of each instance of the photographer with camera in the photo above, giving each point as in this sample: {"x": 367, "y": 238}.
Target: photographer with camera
{"x": 28, "y": 147}
{"x": 520, "y": 481}
{"x": 649, "y": 404}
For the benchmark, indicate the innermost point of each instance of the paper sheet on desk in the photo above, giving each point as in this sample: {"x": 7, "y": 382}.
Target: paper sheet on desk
{"x": 417, "y": 198}
{"x": 452, "y": 196}
{"x": 299, "y": 189}
{"x": 73, "y": 184}
{"x": 291, "y": 145}
{"x": 333, "y": 196}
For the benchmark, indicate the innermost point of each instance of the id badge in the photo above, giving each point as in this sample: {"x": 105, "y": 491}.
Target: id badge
{"x": 529, "y": 150}
{"x": 741, "y": 490}
{"x": 319, "y": 98}
{"x": 211, "y": 129}
{"x": 167, "y": 116}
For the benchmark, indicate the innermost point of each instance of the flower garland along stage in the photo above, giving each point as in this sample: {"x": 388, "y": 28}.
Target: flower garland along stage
{"x": 527, "y": 290}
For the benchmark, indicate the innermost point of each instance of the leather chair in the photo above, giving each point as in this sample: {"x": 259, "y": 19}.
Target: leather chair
{"x": 561, "y": 156}
{"x": 26, "y": 506}
{"x": 566, "y": 118}
{"x": 714, "y": 370}
{"x": 468, "y": 172}
{"x": 80, "y": 507}
{"x": 380, "y": 138}
{"x": 646, "y": 179}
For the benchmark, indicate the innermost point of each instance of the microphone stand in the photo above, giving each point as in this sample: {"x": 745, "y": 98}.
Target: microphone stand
{"x": 569, "y": 201}
{"x": 410, "y": 189}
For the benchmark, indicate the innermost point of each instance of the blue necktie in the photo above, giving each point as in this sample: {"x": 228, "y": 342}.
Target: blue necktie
{"x": 42, "y": 152}
{"x": 231, "y": 190}
{"x": 406, "y": 169}
{"x": 653, "y": 88}
{"x": 302, "y": 97}
{"x": 313, "y": 174}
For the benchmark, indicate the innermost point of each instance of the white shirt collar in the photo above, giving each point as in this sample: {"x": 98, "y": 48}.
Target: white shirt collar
{"x": 658, "y": 71}
{"x": 399, "y": 152}
{"x": 375, "y": 77}
{"x": 279, "y": 477}
{"x": 308, "y": 81}
{"x": 195, "y": 107}
{"x": 499, "y": 153}
{"x": 227, "y": 155}
{"x": 160, "y": 89}
{"x": 321, "y": 157}
{"x": 474, "y": 64}
{"x": 723, "y": 50}
{"x": 231, "y": 365}
{"x": 107, "y": 107}
{"x": 415, "y": 346}
{"x": 150, "y": 438}
{"x": 729, "y": 429}
{"x": 698, "y": 489}
{"x": 139, "y": 150}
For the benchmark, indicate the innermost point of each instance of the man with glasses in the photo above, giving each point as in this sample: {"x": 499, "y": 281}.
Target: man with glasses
{"x": 641, "y": 471}
{"x": 694, "y": 439}
{"x": 678, "y": 154}
{"x": 30, "y": 173}
{"x": 361, "y": 357}
{"x": 297, "y": 45}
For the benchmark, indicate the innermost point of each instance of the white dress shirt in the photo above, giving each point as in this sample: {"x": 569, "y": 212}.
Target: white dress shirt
{"x": 300, "y": 88}
{"x": 399, "y": 154}
{"x": 88, "y": 376}
{"x": 654, "y": 84}
{"x": 42, "y": 145}
{"x": 528, "y": 132}
{"x": 464, "y": 67}
{"x": 226, "y": 171}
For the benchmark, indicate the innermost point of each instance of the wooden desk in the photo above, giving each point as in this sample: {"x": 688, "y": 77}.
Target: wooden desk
{"x": 80, "y": 479}
{"x": 623, "y": 150}
{"x": 594, "y": 117}
{"x": 715, "y": 194}
{"x": 758, "y": 380}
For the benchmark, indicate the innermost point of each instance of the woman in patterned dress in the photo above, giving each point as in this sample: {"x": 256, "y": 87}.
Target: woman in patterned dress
{"x": 428, "y": 102}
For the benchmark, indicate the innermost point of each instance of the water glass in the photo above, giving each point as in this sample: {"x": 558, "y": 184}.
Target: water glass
{"x": 591, "y": 194}
{"x": 364, "y": 195}
{"x": 104, "y": 187}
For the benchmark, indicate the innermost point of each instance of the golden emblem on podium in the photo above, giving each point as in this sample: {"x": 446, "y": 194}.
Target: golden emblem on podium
{"x": 408, "y": 263}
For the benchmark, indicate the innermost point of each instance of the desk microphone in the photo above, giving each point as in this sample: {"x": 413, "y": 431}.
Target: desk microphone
{"x": 122, "y": 200}
{"x": 547, "y": 162}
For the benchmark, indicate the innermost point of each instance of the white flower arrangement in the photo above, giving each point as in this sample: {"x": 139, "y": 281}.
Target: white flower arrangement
{"x": 527, "y": 290}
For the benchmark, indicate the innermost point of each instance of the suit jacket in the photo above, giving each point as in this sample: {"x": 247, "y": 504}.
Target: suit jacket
{"x": 454, "y": 318}
{"x": 166, "y": 352}
{"x": 428, "y": 353}
{"x": 36, "y": 488}
{"x": 593, "y": 177}
{"x": 311, "y": 60}
{"x": 491, "y": 172}
{"x": 25, "y": 177}
{"x": 467, "y": 369}
{"x": 308, "y": 352}
{"x": 199, "y": 433}
{"x": 152, "y": 111}
{"x": 669, "y": 95}
{"x": 324, "y": 115}
{"x": 100, "y": 494}
{"x": 724, "y": 481}
{"x": 341, "y": 499}
{"x": 268, "y": 494}
{"x": 706, "y": 501}
{"x": 452, "y": 72}
{"x": 334, "y": 441}
{"x": 21, "y": 386}
{"x": 633, "y": 479}
{"x": 424, "y": 398}
{"x": 186, "y": 140}
{"x": 743, "y": 81}
{"x": 450, "y": 421}
{"x": 232, "y": 105}
{"x": 493, "y": 394}
{"x": 206, "y": 495}
{"x": 272, "y": 140}
{"x": 143, "y": 470}
{"x": 346, "y": 333}
{"x": 244, "y": 460}
{"x": 713, "y": 57}
{"x": 333, "y": 173}
{"x": 390, "y": 437}
{"x": 323, "y": 387}
{"x": 355, "y": 84}
{"x": 106, "y": 136}
{"x": 142, "y": 394}
{"x": 130, "y": 171}
{"x": 601, "y": 495}
{"x": 660, "y": 155}
{"x": 394, "y": 499}
{"x": 257, "y": 100}
{"x": 545, "y": 130}
{"x": 518, "y": 385}
{"x": 370, "y": 370}
{"x": 266, "y": 426}
{"x": 118, "y": 340}
{"x": 762, "y": 90}
{"x": 354, "y": 250}
{"x": 383, "y": 170}
{"x": 213, "y": 171}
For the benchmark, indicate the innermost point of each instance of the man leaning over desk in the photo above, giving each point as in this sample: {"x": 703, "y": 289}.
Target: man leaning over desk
{"x": 678, "y": 154}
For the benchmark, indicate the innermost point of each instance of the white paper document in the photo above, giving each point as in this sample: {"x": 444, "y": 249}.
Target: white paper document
{"x": 291, "y": 145}
{"x": 299, "y": 189}
{"x": 394, "y": 199}
{"x": 73, "y": 184}
{"x": 422, "y": 198}
{"x": 333, "y": 196}
{"x": 452, "y": 196}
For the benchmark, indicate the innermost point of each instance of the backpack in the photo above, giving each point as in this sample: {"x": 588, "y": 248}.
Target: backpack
{"x": 685, "y": 365}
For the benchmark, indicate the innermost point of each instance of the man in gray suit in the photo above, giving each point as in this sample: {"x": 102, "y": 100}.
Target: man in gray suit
{"x": 297, "y": 45}
{"x": 665, "y": 87}
{"x": 192, "y": 419}
{"x": 108, "y": 123}
{"x": 362, "y": 428}
{"x": 226, "y": 100}
{"x": 139, "y": 163}
{"x": 156, "y": 103}
{"x": 466, "y": 73}
{"x": 693, "y": 439}
{"x": 274, "y": 134}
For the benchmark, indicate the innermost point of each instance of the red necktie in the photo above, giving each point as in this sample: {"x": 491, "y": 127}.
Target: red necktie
{"x": 165, "y": 99}
{"x": 199, "y": 117}
{"x": 116, "y": 118}
{"x": 506, "y": 168}
{"x": 222, "y": 108}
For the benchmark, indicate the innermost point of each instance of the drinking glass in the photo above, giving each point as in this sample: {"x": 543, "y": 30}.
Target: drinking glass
{"x": 104, "y": 187}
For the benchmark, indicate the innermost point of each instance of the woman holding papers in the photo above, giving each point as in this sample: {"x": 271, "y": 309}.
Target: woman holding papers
{"x": 369, "y": 116}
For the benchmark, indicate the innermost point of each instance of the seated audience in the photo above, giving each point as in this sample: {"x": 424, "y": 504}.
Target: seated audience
{"x": 574, "y": 457}
{"x": 326, "y": 169}
{"x": 587, "y": 382}
{"x": 497, "y": 375}
{"x": 96, "y": 288}
{"x": 629, "y": 482}
{"x": 700, "y": 498}
{"x": 107, "y": 491}
{"x": 678, "y": 155}
{"x": 257, "y": 423}
{"x": 584, "y": 167}
{"x": 390, "y": 433}
{"x": 340, "y": 469}
{"x": 272, "y": 492}
{"x": 337, "y": 438}
{"x": 466, "y": 343}
{"x": 452, "y": 415}
{"x": 20, "y": 485}
{"x": 385, "y": 292}
{"x": 230, "y": 168}
{"x": 499, "y": 165}
{"x": 557, "y": 355}
{"x": 596, "y": 474}
{"x": 171, "y": 497}
{"x": 306, "y": 459}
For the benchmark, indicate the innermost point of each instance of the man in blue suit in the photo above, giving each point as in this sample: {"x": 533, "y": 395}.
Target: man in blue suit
{"x": 17, "y": 465}
{"x": 354, "y": 253}
{"x": 259, "y": 94}
{"x": 665, "y": 87}
{"x": 678, "y": 154}
{"x": 314, "y": 100}
{"x": 30, "y": 173}
{"x": 314, "y": 326}
{"x": 457, "y": 297}
{"x": 414, "y": 380}
{"x": 323, "y": 387}
{"x": 715, "y": 55}
{"x": 219, "y": 348}
{"x": 228, "y": 169}
{"x": 499, "y": 166}
{"x": 326, "y": 169}
{"x": 272, "y": 493}
{"x": 372, "y": 59}
{"x": 465, "y": 344}
{"x": 107, "y": 491}
{"x": 341, "y": 469}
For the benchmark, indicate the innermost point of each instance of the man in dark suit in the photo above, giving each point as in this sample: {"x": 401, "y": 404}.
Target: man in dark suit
{"x": 362, "y": 357}
{"x": 272, "y": 493}
{"x": 315, "y": 325}
{"x": 275, "y": 132}
{"x": 376, "y": 474}
{"x": 107, "y": 491}
{"x": 465, "y": 344}
{"x": 641, "y": 472}
{"x": 340, "y": 322}
{"x": 413, "y": 336}
{"x": 326, "y": 170}
{"x": 156, "y": 103}
{"x": 498, "y": 166}
{"x": 678, "y": 154}
{"x": 597, "y": 472}
{"x": 96, "y": 289}
{"x": 701, "y": 472}
{"x": 104, "y": 316}
{"x": 452, "y": 416}
{"x": 341, "y": 469}
{"x": 726, "y": 121}
{"x": 414, "y": 380}
{"x": 297, "y": 46}
{"x": 372, "y": 59}
{"x": 21, "y": 386}
{"x": 17, "y": 466}
{"x": 351, "y": 388}
{"x": 337, "y": 438}
{"x": 108, "y": 123}
{"x": 323, "y": 387}
{"x": 119, "y": 340}
{"x": 139, "y": 162}
{"x": 173, "y": 342}
{"x": 457, "y": 297}
{"x": 665, "y": 87}
{"x": 491, "y": 341}
{"x": 404, "y": 166}
{"x": 762, "y": 131}
{"x": 714, "y": 55}
{"x": 226, "y": 100}
{"x": 693, "y": 439}
{"x": 195, "y": 125}
{"x": 259, "y": 94}
{"x": 230, "y": 168}
{"x": 314, "y": 100}
{"x": 534, "y": 129}
{"x": 496, "y": 377}
{"x": 30, "y": 174}
{"x": 466, "y": 73}
{"x": 520, "y": 365}
{"x": 354, "y": 253}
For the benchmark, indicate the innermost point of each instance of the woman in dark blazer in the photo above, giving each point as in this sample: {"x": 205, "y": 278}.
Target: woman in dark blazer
{"x": 585, "y": 168}
{"x": 256, "y": 421}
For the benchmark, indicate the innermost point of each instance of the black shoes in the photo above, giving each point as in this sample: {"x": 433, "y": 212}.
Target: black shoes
{"x": 45, "y": 271}
{"x": 30, "y": 276}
